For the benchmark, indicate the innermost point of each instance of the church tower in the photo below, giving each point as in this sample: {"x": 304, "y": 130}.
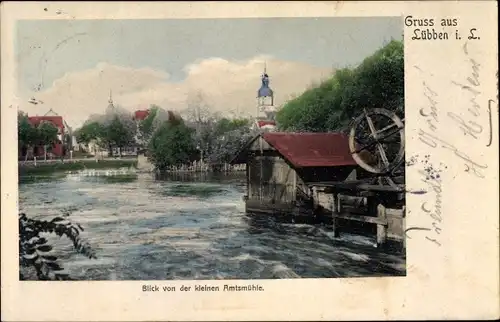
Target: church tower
{"x": 111, "y": 106}
{"x": 266, "y": 111}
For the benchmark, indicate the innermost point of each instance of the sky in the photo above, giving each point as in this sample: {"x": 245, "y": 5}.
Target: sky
{"x": 71, "y": 65}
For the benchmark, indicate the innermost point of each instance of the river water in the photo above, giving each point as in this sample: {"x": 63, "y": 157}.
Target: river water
{"x": 147, "y": 228}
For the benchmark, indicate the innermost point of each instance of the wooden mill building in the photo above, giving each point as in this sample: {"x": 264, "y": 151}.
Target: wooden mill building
{"x": 283, "y": 167}
{"x": 312, "y": 177}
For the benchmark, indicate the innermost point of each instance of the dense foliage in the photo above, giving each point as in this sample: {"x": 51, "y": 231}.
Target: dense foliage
{"x": 114, "y": 129}
{"x": 171, "y": 145}
{"x": 229, "y": 136}
{"x": 176, "y": 143}
{"x": 229, "y": 144}
{"x": 36, "y": 259}
{"x": 26, "y": 133}
{"x": 117, "y": 133}
{"x": 91, "y": 131}
{"x": 203, "y": 136}
{"x": 377, "y": 82}
{"x": 169, "y": 140}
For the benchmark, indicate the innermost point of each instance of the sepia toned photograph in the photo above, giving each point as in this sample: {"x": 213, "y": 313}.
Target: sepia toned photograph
{"x": 211, "y": 149}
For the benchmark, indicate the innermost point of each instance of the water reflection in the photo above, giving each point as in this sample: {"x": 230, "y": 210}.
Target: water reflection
{"x": 29, "y": 179}
{"x": 235, "y": 178}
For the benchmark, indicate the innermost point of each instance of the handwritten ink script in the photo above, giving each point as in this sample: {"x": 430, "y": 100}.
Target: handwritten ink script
{"x": 470, "y": 117}
{"x": 426, "y": 28}
{"x": 490, "y": 108}
{"x": 432, "y": 206}
{"x": 470, "y": 122}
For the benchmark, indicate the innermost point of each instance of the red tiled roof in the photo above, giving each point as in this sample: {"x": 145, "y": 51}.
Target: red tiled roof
{"x": 312, "y": 149}
{"x": 141, "y": 114}
{"x": 264, "y": 123}
{"x": 56, "y": 120}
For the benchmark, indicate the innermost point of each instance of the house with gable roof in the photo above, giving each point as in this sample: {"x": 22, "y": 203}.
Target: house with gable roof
{"x": 61, "y": 147}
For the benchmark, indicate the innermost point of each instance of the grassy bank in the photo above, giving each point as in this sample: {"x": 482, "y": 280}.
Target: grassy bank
{"x": 40, "y": 168}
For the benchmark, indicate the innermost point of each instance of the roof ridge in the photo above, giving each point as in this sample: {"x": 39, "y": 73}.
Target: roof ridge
{"x": 306, "y": 149}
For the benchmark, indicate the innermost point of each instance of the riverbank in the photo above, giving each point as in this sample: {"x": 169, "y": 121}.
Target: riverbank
{"x": 27, "y": 168}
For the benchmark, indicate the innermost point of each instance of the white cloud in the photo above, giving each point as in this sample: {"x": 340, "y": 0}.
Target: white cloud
{"x": 226, "y": 86}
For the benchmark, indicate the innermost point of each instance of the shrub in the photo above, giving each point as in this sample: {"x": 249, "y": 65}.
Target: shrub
{"x": 377, "y": 82}
{"x": 35, "y": 257}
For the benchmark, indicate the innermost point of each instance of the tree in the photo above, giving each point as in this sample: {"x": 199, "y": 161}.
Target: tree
{"x": 68, "y": 142}
{"x": 171, "y": 145}
{"x": 26, "y": 134}
{"x": 35, "y": 259}
{"x": 115, "y": 128}
{"x": 46, "y": 136}
{"x": 377, "y": 82}
{"x": 156, "y": 117}
{"x": 203, "y": 120}
{"x": 215, "y": 136}
{"x": 90, "y": 131}
{"x": 225, "y": 125}
{"x": 228, "y": 137}
{"x": 116, "y": 133}
{"x": 198, "y": 110}
{"x": 229, "y": 143}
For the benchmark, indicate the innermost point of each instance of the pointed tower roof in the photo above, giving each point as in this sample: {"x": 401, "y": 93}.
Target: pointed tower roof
{"x": 110, "y": 100}
{"x": 265, "y": 90}
{"x": 111, "y": 106}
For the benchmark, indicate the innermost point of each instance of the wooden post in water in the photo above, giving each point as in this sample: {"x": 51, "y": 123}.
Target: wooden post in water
{"x": 381, "y": 228}
{"x": 315, "y": 197}
{"x": 336, "y": 209}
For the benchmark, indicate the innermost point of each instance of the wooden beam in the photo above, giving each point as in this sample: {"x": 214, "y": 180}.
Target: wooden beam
{"x": 374, "y": 187}
{"x": 367, "y": 219}
{"x": 381, "y": 229}
{"x": 359, "y": 184}
{"x": 336, "y": 209}
{"x": 338, "y": 184}
{"x": 395, "y": 212}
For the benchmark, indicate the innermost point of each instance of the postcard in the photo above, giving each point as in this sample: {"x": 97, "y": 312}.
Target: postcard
{"x": 249, "y": 161}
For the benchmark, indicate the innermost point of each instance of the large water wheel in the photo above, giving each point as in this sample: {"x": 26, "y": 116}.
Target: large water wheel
{"x": 377, "y": 141}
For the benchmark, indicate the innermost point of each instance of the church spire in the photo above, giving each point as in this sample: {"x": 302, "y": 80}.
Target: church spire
{"x": 265, "y": 104}
{"x": 111, "y": 106}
